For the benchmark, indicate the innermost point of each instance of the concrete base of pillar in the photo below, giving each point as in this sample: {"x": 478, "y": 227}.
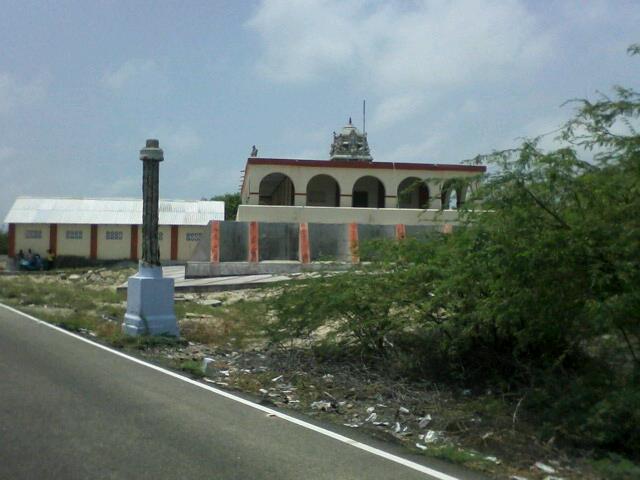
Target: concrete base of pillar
{"x": 150, "y": 304}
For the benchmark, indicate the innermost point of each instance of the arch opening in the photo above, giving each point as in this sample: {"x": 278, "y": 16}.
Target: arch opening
{"x": 413, "y": 193}
{"x": 368, "y": 192}
{"x": 323, "y": 191}
{"x": 276, "y": 189}
{"x": 453, "y": 193}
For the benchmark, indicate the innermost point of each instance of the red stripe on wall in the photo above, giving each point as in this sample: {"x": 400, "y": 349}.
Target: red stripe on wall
{"x": 401, "y": 232}
{"x": 305, "y": 251}
{"x": 53, "y": 238}
{"x": 354, "y": 243}
{"x": 12, "y": 240}
{"x": 215, "y": 242}
{"x": 133, "y": 254}
{"x": 254, "y": 254}
{"x": 174, "y": 242}
{"x": 93, "y": 253}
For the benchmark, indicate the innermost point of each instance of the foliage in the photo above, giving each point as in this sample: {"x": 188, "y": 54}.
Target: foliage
{"x": 539, "y": 293}
{"x": 231, "y": 204}
{"x": 4, "y": 242}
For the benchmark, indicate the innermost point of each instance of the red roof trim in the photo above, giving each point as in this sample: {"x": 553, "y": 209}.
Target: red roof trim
{"x": 372, "y": 165}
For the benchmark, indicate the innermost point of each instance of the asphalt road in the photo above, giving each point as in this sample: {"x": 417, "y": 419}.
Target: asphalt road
{"x": 70, "y": 410}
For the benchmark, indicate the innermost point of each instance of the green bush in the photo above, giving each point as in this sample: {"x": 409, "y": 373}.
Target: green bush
{"x": 540, "y": 292}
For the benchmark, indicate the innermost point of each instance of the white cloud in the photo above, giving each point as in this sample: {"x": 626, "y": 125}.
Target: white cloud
{"x": 426, "y": 151}
{"x": 395, "y": 108}
{"x": 400, "y": 52}
{"x": 181, "y": 140}
{"x": 127, "y": 72}
{"x": 16, "y": 93}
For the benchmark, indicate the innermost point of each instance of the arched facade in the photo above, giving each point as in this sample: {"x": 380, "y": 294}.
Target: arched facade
{"x": 413, "y": 193}
{"x": 277, "y": 189}
{"x": 368, "y": 192}
{"x": 323, "y": 191}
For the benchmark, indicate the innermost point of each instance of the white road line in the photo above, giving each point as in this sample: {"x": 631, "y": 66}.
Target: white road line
{"x": 336, "y": 436}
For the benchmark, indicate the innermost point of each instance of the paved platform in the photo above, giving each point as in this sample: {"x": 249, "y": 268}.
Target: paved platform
{"x": 216, "y": 284}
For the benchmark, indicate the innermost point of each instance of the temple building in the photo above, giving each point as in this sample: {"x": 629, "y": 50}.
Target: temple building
{"x": 351, "y": 187}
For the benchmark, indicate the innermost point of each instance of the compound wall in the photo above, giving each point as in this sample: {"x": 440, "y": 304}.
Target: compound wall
{"x": 246, "y": 248}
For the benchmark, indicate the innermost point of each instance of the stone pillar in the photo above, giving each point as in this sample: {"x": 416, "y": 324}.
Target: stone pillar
{"x": 151, "y": 157}
{"x": 149, "y": 296}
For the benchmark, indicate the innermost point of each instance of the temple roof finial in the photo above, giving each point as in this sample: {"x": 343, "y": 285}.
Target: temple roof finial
{"x": 350, "y": 145}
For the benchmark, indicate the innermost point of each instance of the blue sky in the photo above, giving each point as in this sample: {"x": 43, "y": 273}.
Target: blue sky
{"x": 83, "y": 84}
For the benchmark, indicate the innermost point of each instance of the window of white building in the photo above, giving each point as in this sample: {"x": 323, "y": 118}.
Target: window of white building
{"x": 114, "y": 235}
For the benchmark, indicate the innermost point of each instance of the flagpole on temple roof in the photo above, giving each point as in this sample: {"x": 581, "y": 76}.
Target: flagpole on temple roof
{"x": 364, "y": 116}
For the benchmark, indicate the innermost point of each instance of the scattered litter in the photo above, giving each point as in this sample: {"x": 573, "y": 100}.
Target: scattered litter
{"x": 205, "y": 362}
{"x": 432, "y": 436}
{"x": 209, "y": 380}
{"x": 486, "y": 435}
{"x": 372, "y": 417}
{"x": 351, "y": 425}
{"x": 397, "y": 428}
{"x": 381, "y": 424}
{"x": 74, "y": 276}
{"x": 328, "y": 377}
{"x": 370, "y": 409}
{"x": 278, "y": 378}
{"x": 329, "y": 395}
{"x": 517, "y": 477}
{"x": 403, "y": 410}
{"x": 493, "y": 459}
{"x": 210, "y": 303}
{"x": 263, "y": 391}
{"x": 225, "y": 372}
{"x": 321, "y": 405}
{"x": 552, "y": 477}
{"x": 421, "y": 447}
{"x": 424, "y": 421}
{"x": 544, "y": 467}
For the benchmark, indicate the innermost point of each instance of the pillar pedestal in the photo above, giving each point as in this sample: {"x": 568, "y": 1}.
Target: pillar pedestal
{"x": 150, "y": 304}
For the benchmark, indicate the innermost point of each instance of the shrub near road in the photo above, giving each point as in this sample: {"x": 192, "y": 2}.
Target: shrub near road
{"x": 539, "y": 298}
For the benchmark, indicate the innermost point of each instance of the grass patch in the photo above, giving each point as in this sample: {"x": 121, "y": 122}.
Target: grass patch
{"x": 239, "y": 325}
{"x": 459, "y": 456}
{"x": 193, "y": 368}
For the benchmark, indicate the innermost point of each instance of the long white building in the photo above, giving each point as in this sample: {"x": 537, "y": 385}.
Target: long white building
{"x": 106, "y": 229}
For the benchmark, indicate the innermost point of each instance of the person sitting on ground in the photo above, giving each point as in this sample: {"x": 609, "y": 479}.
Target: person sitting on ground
{"x": 48, "y": 261}
{"x": 36, "y": 262}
